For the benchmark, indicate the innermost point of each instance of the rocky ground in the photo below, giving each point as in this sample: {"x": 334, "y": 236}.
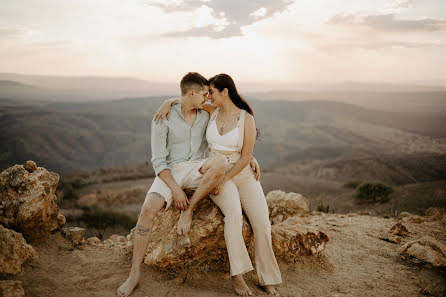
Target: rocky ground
{"x": 356, "y": 262}
{"x": 364, "y": 256}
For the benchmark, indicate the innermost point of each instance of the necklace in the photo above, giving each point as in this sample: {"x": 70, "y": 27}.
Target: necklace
{"x": 228, "y": 121}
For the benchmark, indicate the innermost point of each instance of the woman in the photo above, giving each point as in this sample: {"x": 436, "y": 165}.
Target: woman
{"x": 232, "y": 132}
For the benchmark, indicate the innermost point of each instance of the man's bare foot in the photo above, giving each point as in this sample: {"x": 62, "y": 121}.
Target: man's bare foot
{"x": 240, "y": 286}
{"x": 271, "y": 290}
{"x": 127, "y": 288}
{"x": 184, "y": 222}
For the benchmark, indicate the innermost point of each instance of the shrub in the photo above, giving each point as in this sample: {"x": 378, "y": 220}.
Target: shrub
{"x": 373, "y": 192}
{"x": 78, "y": 183}
{"x": 322, "y": 207}
{"x": 352, "y": 184}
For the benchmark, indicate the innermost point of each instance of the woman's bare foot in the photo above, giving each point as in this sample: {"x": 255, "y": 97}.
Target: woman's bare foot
{"x": 271, "y": 290}
{"x": 184, "y": 222}
{"x": 240, "y": 286}
{"x": 128, "y": 286}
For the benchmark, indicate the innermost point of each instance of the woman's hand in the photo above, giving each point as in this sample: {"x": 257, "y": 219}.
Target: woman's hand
{"x": 255, "y": 167}
{"x": 218, "y": 188}
{"x": 164, "y": 110}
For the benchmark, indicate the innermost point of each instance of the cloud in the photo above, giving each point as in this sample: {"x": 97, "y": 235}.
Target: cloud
{"x": 399, "y": 4}
{"x": 388, "y": 22}
{"x": 236, "y": 14}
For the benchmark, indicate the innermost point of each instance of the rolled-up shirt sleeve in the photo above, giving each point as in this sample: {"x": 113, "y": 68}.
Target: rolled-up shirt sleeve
{"x": 159, "y": 146}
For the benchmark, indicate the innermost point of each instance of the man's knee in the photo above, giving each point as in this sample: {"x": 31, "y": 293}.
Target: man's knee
{"x": 153, "y": 204}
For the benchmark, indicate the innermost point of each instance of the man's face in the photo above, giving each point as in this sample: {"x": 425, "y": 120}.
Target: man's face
{"x": 200, "y": 96}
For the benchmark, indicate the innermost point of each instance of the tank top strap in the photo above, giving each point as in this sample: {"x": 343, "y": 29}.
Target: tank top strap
{"x": 211, "y": 119}
{"x": 241, "y": 130}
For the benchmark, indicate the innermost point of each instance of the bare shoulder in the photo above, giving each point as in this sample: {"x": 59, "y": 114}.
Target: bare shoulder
{"x": 249, "y": 118}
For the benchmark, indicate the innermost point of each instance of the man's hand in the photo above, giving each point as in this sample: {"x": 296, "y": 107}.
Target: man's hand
{"x": 255, "y": 168}
{"x": 180, "y": 199}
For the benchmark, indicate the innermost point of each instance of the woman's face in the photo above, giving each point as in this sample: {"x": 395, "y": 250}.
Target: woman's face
{"x": 215, "y": 96}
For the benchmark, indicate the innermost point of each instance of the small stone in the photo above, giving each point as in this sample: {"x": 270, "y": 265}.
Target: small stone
{"x": 425, "y": 291}
{"x": 74, "y": 234}
{"x": 30, "y": 166}
{"x": 108, "y": 241}
{"x": 93, "y": 241}
{"x": 61, "y": 220}
{"x": 11, "y": 288}
{"x": 399, "y": 229}
{"x": 117, "y": 238}
{"x": 317, "y": 213}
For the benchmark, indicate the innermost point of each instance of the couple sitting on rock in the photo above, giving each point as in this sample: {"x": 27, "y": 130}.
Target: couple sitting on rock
{"x": 229, "y": 174}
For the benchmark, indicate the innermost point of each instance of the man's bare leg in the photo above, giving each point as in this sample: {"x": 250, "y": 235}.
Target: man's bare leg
{"x": 213, "y": 170}
{"x": 152, "y": 205}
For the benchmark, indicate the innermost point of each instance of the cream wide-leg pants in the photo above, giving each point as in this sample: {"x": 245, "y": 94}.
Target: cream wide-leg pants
{"x": 243, "y": 191}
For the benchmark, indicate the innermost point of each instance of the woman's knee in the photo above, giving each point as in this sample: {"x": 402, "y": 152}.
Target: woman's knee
{"x": 219, "y": 163}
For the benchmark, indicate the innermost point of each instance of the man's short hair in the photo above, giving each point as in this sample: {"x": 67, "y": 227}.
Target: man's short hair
{"x": 192, "y": 79}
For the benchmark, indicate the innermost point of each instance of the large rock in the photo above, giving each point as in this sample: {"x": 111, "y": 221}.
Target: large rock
{"x": 13, "y": 251}
{"x": 11, "y": 288}
{"x": 426, "y": 250}
{"x": 205, "y": 242}
{"x": 284, "y": 205}
{"x": 28, "y": 200}
{"x": 291, "y": 241}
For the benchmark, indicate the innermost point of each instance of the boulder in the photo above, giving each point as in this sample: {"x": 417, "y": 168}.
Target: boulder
{"x": 28, "y": 200}
{"x": 14, "y": 251}
{"x": 426, "y": 250}
{"x": 74, "y": 234}
{"x": 11, "y": 288}
{"x": 205, "y": 243}
{"x": 293, "y": 241}
{"x": 283, "y": 205}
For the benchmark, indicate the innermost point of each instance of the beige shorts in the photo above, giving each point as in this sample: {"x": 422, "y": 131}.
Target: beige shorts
{"x": 186, "y": 175}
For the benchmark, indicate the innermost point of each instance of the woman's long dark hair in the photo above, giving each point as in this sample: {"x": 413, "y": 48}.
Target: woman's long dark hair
{"x": 222, "y": 81}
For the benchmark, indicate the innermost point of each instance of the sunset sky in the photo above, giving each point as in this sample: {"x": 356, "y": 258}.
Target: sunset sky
{"x": 289, "y": 41}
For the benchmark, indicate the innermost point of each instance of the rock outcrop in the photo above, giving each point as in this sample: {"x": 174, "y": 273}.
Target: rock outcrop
{"x": 13, "y": 251}
{"x": 426, "y": 250}
{"x": 11, "y": 288}
{"x": 205, "y": 242}
{"x": 284, "y": 205}
{"x": 28, "y": 200}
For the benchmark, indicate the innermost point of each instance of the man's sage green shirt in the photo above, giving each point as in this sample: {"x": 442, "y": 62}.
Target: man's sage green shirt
{"x": 175, "y": 141}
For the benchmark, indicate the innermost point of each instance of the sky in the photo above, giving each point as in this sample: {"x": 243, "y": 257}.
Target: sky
{"x": 276, "y": 41}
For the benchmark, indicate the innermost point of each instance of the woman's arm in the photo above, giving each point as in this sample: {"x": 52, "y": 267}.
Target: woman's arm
{"x": 249, "y": 140}
{"x": 164, "y": 109}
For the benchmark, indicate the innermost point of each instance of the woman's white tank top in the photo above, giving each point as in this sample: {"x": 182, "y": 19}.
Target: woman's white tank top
{"x": 229, "y": 141}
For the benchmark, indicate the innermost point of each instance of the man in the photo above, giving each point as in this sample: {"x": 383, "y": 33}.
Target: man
{"x": 178, "y": 151}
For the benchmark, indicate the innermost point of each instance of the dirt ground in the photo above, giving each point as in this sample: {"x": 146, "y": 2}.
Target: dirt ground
{"x": 355, "y": 263}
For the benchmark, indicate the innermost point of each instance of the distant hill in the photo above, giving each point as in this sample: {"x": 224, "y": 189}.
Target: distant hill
{"x": 82, "y": 88}
{"x": 67, "y": 137}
